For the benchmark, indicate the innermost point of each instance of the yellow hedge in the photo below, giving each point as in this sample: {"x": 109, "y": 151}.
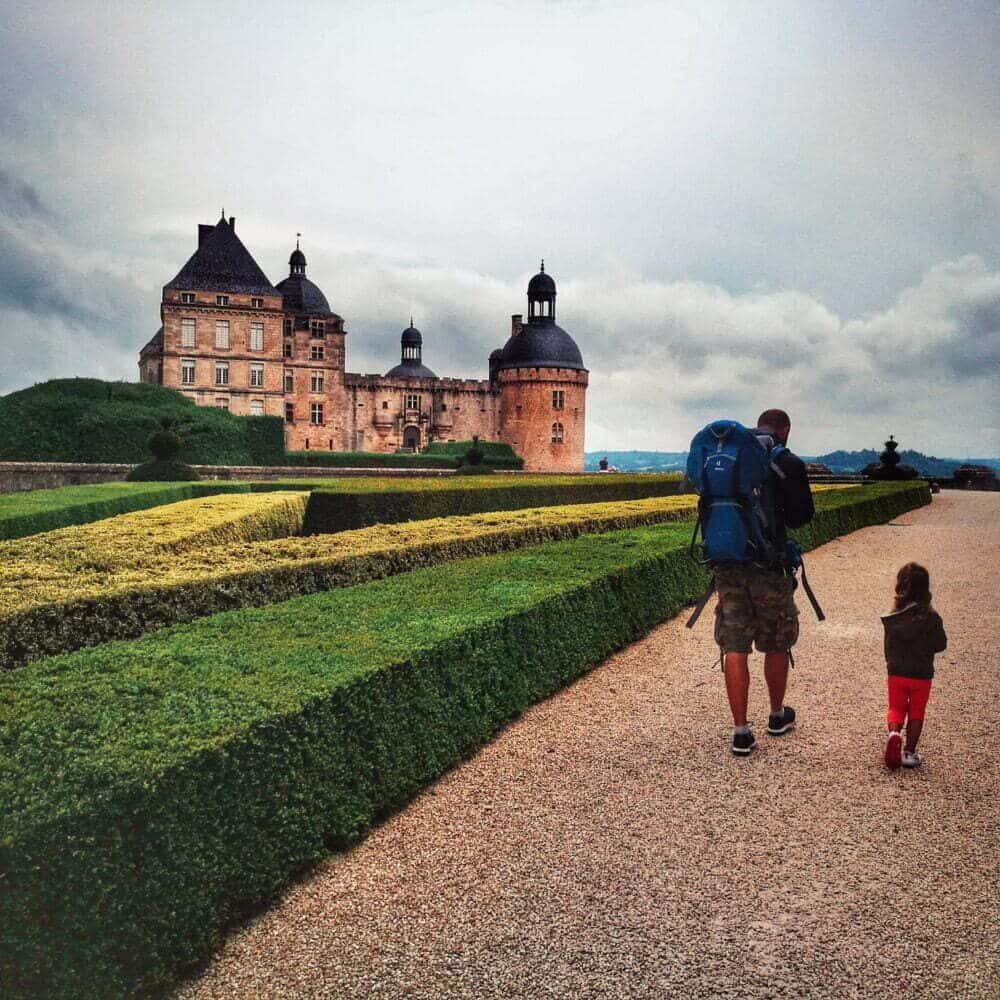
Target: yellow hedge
{"x": 71, "y": 595}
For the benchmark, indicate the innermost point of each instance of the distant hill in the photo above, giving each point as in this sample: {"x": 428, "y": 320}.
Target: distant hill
{"x": 835, "y": 461}
{"x": 87, "y": 420}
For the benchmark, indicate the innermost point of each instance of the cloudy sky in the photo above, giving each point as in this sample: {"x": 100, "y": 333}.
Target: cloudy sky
{"x": 743, "y": 204}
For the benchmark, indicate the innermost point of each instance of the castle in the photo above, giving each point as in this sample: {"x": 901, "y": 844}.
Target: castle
{"x": 229, "y": 338}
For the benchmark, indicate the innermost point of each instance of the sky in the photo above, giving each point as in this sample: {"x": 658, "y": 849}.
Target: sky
{"x": 743, "y": 205}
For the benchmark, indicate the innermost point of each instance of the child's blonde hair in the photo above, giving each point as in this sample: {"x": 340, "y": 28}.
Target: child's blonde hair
{"x": 913, "y": 586}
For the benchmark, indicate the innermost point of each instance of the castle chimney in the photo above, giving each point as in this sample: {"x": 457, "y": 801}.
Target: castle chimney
{"x": 516, "y": 326}
{"x": 232, "y": 223}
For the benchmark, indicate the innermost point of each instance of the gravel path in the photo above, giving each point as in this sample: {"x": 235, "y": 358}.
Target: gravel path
{"x": 608, "y": 845}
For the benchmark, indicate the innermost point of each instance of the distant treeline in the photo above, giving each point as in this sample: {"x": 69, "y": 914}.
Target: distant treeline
{"x": 835, "y": 461}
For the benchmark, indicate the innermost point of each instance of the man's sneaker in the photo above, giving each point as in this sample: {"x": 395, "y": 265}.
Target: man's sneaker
{"x": 911, "y": 758}
{"x": 743, "y": 743}
{"x": 780, "y": 722}
{"x": 893, "y": 750}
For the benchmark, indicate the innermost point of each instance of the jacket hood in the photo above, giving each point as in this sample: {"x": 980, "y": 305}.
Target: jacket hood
{"x": 907, "y": 623}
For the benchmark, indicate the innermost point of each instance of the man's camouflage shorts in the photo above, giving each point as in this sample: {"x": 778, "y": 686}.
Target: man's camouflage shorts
{"x": 756, "y": 607}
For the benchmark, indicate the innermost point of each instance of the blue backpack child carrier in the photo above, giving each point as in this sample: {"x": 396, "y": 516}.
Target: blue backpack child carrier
{"x": 734, "y": 471}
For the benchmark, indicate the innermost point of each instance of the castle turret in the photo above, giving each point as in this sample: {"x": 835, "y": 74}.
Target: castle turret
{"x": 543, "y": 386}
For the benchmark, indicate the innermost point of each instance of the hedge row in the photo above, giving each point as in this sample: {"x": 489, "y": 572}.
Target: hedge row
{"x": 152, "y": 791}
{"x": 35, "y": 511}
{"x": 87, "y": 420}
{"x": 358, "y": 505}
{"x": 368, "y": 460}
{"x": 84, "y": 586}
{"x": 495, "y": 454}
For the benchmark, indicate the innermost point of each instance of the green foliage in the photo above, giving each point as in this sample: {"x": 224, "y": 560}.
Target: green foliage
{"x": 87, "y": 420}
{"x": 500, "y": 456}
{"x": 152, "y": 791}
{"x": 109, "y": 580}
{"x": 162, "y": 471}
{"x": 368, "y": 460}
{"x": 36, "y": 511}
{"x": 355, "y": 504}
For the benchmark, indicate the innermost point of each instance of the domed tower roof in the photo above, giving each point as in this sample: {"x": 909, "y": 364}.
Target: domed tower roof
{"x": 539, "y": 343}
{"x": 299, "y": 294}
{"x": 411, "y": 348}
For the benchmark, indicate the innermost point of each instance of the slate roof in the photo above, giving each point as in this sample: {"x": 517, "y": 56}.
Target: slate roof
{"x": 410, "y": 369}
{"x": 541, "y": 344}
{"x": 222, "y": 264}
{"x": 154, "y": 345}
{"x": 302, "y": 297}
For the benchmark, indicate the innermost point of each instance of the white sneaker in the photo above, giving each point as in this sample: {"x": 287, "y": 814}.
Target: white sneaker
{"x": 911, "y": 759}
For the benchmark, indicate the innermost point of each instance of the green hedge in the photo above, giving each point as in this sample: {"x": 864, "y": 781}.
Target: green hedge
{"x": 357, "y": 505}
{"x": 495, "y": 454}
{"x": 367, "y": 460}
{"x": 111, "y": 580}
{"x": 153, "y": 791}
{"x": 87, "y": 420}
{"x": 34, "y": 511}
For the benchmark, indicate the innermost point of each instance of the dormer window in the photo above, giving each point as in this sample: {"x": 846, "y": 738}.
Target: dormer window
{"x": 317, "y": 328}
{"x": 222, "y": 300}
{"x": 187, "y": 298}
{"x": 257, "y": 303}
{"x": 289, "y": 326}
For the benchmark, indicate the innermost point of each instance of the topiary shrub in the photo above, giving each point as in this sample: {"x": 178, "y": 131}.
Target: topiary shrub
{"x": 164, "y": 445}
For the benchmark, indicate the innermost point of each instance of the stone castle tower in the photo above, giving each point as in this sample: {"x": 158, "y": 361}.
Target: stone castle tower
{"x": 231, "y": 339}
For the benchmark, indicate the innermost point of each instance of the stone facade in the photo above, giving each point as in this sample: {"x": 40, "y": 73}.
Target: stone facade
{"x": 231, "y": 339}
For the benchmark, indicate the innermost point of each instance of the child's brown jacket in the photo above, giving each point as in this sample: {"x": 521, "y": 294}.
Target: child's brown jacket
{"x": 912, "y": 637}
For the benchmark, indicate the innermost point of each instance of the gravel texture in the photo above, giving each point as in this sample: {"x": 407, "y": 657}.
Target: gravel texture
{"x": 608, "y": 844}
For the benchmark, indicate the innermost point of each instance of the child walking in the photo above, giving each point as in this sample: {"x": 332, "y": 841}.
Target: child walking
{"x": 914, "y": 632}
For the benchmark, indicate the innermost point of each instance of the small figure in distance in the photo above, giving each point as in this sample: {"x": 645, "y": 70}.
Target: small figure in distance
{"x": 603, "y": 464}
{"x": 914, "y": 632}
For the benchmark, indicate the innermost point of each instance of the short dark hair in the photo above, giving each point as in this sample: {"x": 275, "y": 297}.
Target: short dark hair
{"x": 775, "y": 419}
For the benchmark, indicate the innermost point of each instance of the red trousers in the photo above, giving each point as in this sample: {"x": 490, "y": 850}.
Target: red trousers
{"x": 907, "y": 699}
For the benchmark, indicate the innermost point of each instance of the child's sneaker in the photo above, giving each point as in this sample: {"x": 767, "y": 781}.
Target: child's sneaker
{"x": 893, "y": 750}
{"x": 911, "y": 758}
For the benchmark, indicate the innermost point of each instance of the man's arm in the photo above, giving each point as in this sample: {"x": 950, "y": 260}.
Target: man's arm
{"x": 796, "y": 495}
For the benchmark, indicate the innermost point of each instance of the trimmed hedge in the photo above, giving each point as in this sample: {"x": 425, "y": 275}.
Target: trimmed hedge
{"x": 153, "y": 791}
{"x": 84, "y": 586}
{"x": 368, "y": 460}
{"x": 358, "y": 504}
{"x": 87, "y": 420}
{"x": 495, "y": 453}
{"x": 34, "y": 511}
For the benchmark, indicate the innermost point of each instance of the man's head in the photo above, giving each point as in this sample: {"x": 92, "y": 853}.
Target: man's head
{"x": 777, "y": 422}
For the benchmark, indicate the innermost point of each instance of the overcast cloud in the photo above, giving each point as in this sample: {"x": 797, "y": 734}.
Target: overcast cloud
{"x": 743, "y": 205}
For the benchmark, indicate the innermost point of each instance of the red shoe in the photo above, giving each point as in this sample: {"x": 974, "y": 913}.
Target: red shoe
{"x": 893, "y": 750}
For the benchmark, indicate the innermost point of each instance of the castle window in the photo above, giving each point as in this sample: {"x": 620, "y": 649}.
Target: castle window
{"x": 316, "y": 352}
{"x": 289, "y": 413}
{"x": 222, "y": 334}
{"x": 187, "y": 371}
{"x": 317, "y": 328}
{"x": 222, "y": 373}
{"x": 444, "y": 407}
{"x": 257, "y": 303}
{"x": 289, "y": 381}
{"x": 257, "y": 376}
{"x": 286, "y": 349}
{"x": 187, "y": 333}
{"x": 316, "y": 413}
{"x": 256, "y": 336}
{"x": 222, "y": 300}
{"x": 256, "y": 407}
{"x": 316, "y": 382}
{"x": 222, "y": 403}
{"x": 187, "y": 298}
{"x": 289, "y": 326}
{"x": 412, "y": 401}
{"x": 557, "y": 433}
{"x": 558, "y": 399}
{"x": 385, "y": 404}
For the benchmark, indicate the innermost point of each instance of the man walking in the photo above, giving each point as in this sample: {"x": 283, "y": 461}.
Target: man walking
{"x": 756, "y": 605}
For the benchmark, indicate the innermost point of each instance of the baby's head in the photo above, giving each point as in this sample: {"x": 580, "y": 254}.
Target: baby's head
{"x": 913, "y": 586}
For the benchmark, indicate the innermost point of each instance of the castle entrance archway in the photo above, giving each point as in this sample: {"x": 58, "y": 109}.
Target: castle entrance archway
{"x": 411, "y": 438}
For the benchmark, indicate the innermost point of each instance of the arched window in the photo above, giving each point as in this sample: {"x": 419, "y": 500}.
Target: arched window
{"x": 557, "y": 433}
